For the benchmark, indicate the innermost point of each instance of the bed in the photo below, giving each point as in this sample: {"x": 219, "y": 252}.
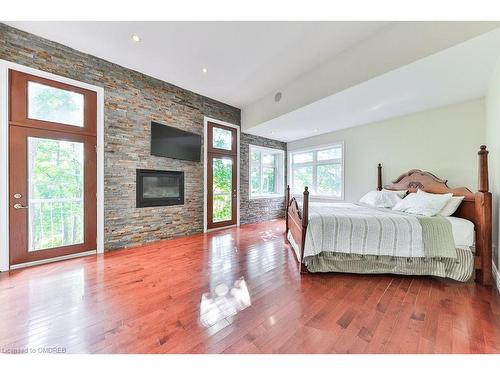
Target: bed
{"x": 327, "y": 237}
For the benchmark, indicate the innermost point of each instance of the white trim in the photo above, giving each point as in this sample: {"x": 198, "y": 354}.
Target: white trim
{"x": 4, "y": 157}
{"x": 206, "y": 120}
{"x": 51, "y": 260}
{"x": 266, "y": 196}
{"x": 496, "y": 276}
{"x": 316, "y": 148}
{"x": 221, "y": 228}
{"x": 280, "y": 172}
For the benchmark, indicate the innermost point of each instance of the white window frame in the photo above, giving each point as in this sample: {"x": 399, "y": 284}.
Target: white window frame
{"x": 315, "y": 163}
{"x": 280, "y": 172}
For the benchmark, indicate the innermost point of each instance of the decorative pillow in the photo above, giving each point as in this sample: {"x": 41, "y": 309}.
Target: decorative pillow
{"x": 401, "y": 193}
{"x": 381, "y": 199}
{"x": 422, "y": 203}
{"x": 450, "y": 207}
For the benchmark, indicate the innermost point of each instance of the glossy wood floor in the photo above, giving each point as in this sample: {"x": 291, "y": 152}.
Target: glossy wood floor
{"x": 237, "y": 291}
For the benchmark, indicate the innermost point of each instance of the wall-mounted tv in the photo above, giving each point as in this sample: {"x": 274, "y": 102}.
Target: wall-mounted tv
{"x": 171, "y": 142}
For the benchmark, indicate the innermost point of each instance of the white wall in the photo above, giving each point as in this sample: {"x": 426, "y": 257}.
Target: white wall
{"x": 444, "y": 141}
{"x": 493, "y": 141}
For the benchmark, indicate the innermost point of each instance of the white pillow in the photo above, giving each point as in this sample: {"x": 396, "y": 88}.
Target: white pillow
{"x": 450, "y": 207}
{"x": 381, "y": 199}
{"x": 422, "y": 203}
{"x": 401, "y": 193}
{"x": 409, "y": 201}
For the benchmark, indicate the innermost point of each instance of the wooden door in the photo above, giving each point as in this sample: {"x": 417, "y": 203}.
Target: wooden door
{"x": 222, "y": 176}
{"x": 52, "y": 169}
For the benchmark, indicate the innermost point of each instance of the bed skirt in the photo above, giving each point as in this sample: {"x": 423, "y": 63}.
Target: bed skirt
{"x": 460, "y": 269}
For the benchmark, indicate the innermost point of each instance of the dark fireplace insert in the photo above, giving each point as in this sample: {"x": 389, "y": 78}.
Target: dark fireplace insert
{"x": 159, "y": 188}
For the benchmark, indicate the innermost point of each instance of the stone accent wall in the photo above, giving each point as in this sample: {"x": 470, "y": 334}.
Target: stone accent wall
{"x": 254, "y": 210}
{"x": 132, "y": 101}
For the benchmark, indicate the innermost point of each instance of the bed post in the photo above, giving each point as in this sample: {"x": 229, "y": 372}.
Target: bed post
{"x": 305, "y": 220}
{"x": 379, "y": 177}
{"x": 287, "y": 203}
{"x": 483, "y": 221}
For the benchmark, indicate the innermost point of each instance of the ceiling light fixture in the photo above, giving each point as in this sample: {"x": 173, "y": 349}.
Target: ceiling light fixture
{"x": 204, "y": 70}
{"x": 136, "y": 38}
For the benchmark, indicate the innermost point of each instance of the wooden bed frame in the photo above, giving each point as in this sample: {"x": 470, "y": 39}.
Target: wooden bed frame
{"x": 475, "y": 207}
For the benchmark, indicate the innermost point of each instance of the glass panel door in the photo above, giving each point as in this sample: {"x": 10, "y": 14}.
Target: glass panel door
{"x": 222, "y": 169}
{"x": 52, "y": 169}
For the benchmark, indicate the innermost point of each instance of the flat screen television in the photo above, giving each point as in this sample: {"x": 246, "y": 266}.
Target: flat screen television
{"x": 174, "y": 143}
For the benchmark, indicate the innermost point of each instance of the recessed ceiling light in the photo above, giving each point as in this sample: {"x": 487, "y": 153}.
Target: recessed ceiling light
{"x": 316, "y": 130}
{"x": 204, "y": 70}
{"x": 136, "y": 38}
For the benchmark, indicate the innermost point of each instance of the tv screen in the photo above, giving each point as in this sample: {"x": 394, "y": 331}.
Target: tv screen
{"x": 174, "y": 143}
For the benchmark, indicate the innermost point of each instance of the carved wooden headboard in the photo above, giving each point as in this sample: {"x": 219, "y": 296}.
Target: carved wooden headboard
{"x": 475, "y": 207}
{"x": 426, "y": 181}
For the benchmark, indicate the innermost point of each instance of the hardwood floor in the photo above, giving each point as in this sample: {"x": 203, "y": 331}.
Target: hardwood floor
{"x": 237, "y": 291}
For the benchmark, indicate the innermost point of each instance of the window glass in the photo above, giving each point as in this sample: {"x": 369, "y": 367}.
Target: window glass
{"x": 331, "y": 153}
{"x": 222, "y": 138}
{"x": 329, "y": 179}
{"x": 302, "y": 177}
{"x": 304, "y": 157}
{"x": 267, "y": 159}
{"x": 268, "y": 180}
{"x": 320, "y": 170}
{"x": 255, "y": 156}
{"x": 53, "y": 104}
{"x": 255, "y": 179}
{"x": 222, "y": 188}
{"x": 56, "y": 193}
{"x": 266, "y": 171}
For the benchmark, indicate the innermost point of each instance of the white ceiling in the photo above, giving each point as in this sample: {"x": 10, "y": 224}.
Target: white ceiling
{"x": 453, "y": 75}
{"x": 245, "y": 60}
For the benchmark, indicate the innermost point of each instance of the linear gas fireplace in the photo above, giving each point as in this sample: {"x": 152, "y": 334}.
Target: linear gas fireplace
{"x": 159, "y": 188}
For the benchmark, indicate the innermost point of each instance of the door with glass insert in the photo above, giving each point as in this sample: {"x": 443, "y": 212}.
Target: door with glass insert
{"x": 52, "y": 172}
{"x": 222, "y": 193}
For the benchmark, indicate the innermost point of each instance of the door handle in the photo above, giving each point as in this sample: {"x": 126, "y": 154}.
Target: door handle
{"x": 18, "y": 206}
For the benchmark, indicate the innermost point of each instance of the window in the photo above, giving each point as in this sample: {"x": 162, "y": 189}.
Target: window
{"x": 266, "y": 172}
{"x": 52, "y": 104}
{"x": 320, "y": 169}
{"x": 222, "y": 138}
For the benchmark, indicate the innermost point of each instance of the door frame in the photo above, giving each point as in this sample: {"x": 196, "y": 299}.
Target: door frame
{"x": 206, "y": 120}
{"x": 4, "y": 157}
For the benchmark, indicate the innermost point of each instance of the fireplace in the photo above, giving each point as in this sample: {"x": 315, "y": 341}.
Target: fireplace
{"x": 159, "y": 188}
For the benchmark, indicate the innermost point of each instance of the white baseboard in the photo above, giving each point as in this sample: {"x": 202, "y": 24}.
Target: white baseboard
{"x": 496, "y": 277}
{"x": 51, "y": 260}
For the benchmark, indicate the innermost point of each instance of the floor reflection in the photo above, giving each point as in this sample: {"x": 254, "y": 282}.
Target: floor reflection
{"x": 224, "y": 302}
{"x": 61, "y": 289}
